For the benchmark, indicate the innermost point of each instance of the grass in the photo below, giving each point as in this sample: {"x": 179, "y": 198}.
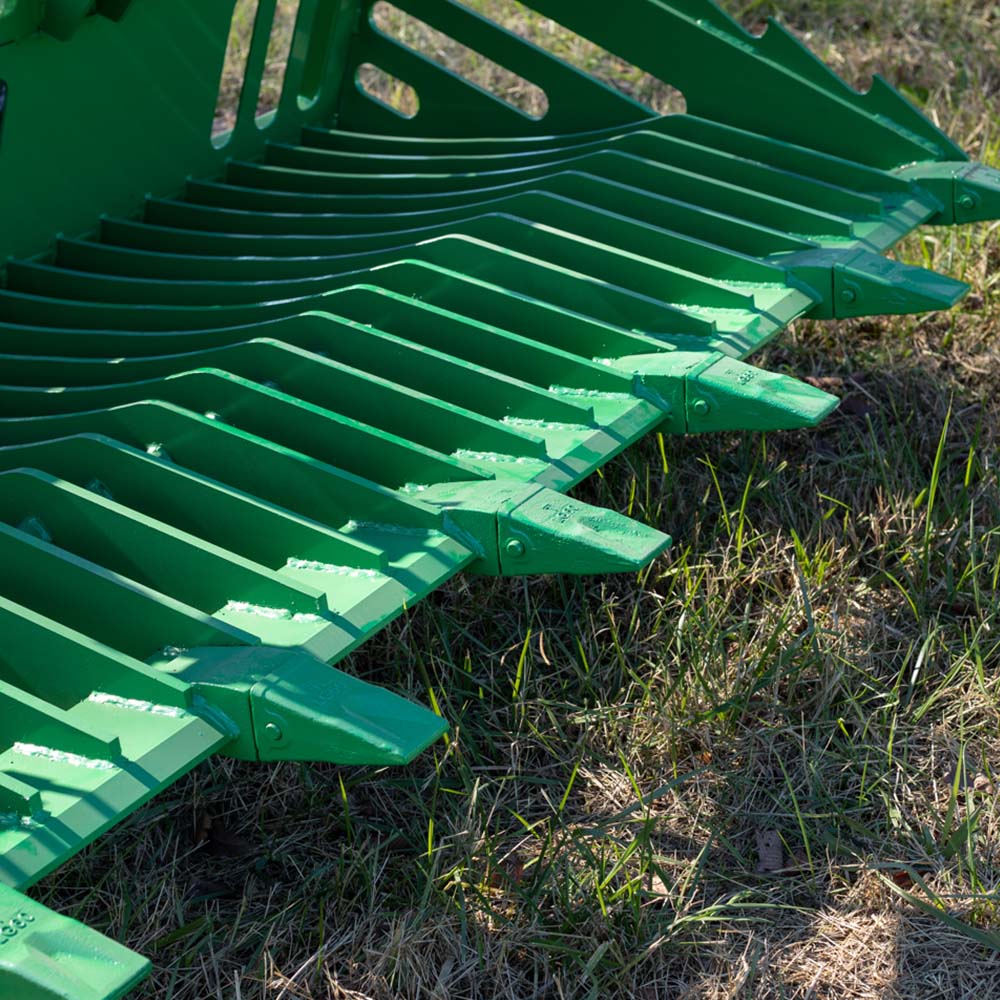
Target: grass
{"x": 766, "y": 767}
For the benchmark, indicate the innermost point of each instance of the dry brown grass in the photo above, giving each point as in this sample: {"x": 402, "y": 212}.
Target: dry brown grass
{"x": 818, "y": 657}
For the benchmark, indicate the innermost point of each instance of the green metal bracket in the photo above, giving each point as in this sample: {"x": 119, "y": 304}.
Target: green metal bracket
{"x": 521, "y": 530}
{"x": 860, "y": 283}
{"x": 969, "y": 192}
{"x": 290, "y": 706}
{"x": 701, "y": 392}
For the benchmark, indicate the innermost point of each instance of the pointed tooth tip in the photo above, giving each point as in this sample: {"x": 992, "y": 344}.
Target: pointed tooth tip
{"x": 429, "y": 733}
{"x": 731, "y": 395}
{"x": 312, "y": 711}
{"x": 891, "y": 288}
{"x": 816, "y": 407}
{"x": 552, "y": 533}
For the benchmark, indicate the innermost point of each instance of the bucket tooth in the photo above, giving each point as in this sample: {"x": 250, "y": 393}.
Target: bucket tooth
{"x": 726, "y": 394}
{"x": 969, "y": 192}
{"x": 46, "y": 956}
{"x": 289, "y": 705}
{"x": 702, "y": 392}
{"x": 522, "y": 530}
{"x": 860, "y": 283}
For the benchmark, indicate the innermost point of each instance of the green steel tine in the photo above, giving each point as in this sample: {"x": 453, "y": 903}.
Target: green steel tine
{"x": 739, "y": 142}
{"x": 720, "y": 195}
{"x": 572, "y": 217}
{"x": 125, "y": 615}
{"x": 476, "y": 340}
{"x": 558, "y": 344}
{"x": 234, "y": 402}
{"x": 323, "y": 232}
{"x": 784, "y": 155}
{"x": 549, "y": 325}
{"x": 337, "y": 440}
{"x": 478, "y": 387}
{"x": 388, "y": 144}
{"x": 220, "y": 514}
{"x": 391, "y": 407}
{"x": 555, "y": 247}
{"x": 657, "y": 147}
{"x": 702, "y": 222}
{"x": 400, "y": 304}
{"x": 296, "y": 170}
{"x": 633, "y": 272}
{"x": 560, "y": 286}
{"x": 332, "y": 214}
{"x": 726, "y": 201}
{"x": 508, "y": 230}
{"x": 330, "y": 342}
{"x": 568, "y": 288}
{"x": 638, "y": 151}
{"x": 545, "y": 325}
{"x": 256, "y": 465}
{"x": 36, "y": 727}
{"x": 743, "y": 170}
{"x": 64, "y": 667}
{"x": 593, "y": 194}
{"x": 128, "y": 542}
{"x": 622, "y": 167}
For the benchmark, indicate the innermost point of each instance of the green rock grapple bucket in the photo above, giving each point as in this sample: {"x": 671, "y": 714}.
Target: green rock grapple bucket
{"x": 260, "y": 392}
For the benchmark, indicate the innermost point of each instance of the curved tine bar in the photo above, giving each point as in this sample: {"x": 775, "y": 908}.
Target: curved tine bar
{"x": 329, "y": 437}
{"x": 138, "y": 547}
{"x": 121, "y": 613}
{"x": 265, "y": 360}
{"x": 626, "y": 168}
{"x": 517, "y": 272}
{"x": 457, "y": 316}
{"x": 254, "y": 208}
{"x": 553, "y": 248}
{"x": 195, "y": 504}
{"x": 656, "y": 147}
{"x": 722, "y": 138}
{"x": 283, "y": 476}
{"x": 383, "y": 144}
{"x": 668, "y": 248}
{"x": 363, "y": 397}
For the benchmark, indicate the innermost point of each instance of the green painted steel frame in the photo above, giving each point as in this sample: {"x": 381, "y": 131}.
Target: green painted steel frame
{"x": 260, "y": 393}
